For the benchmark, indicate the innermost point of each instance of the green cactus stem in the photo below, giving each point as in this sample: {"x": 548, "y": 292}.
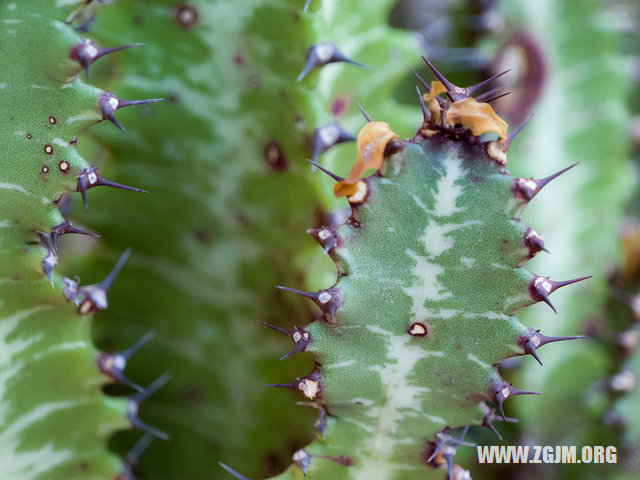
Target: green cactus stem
{"x": 55, "y": 418}
{"x": 430, "y": 277}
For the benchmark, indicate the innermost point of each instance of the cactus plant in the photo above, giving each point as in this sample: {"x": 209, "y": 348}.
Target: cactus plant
{"x": 430, "y": 276}
{"x": 55, "y": 419}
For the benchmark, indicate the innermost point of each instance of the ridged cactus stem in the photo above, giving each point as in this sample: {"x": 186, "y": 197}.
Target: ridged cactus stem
{"x": 430, "y": 277}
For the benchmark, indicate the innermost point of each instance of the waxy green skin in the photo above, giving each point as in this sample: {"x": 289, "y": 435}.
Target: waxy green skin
{"x": 437, "y": 241}
{"x": 55, "y": 419}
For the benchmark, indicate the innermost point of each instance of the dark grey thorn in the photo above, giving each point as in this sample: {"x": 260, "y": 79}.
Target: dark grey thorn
{"x": 506, "y": 390}
{"x": 109, "y": 103}
{"x": 133, "y": 456}
{"x": 450, "y": 451}
{"x": 327, "y": 136}
{"x": 106, "y": 283}
{"x": 291, "y": 385}
{"x": 232, "y": 471}
{"x": 516, "y": 131}
{"x": 50, "y": 259}
{"x": 534, "y": 242}
{"x": 534, "y": 340}
{"x": 66, "y": 228}
{"x": 541, "y": 287}
{"x": 327, "y": 300}
{"x": 300, "y": 336}
{"x": 134, "y": 402}
{"x": 488, "y": 94}
{"x": 451, "y": 88}
{"x": 530, "y": 349}
{"x": 491, "y": 417}
{"x": 327, "y": 237}
{"x": 337, "y": 178}
{"x": 92, "y": 298}
{"x": 496, "y": 97}
{"x": 90, "y": 177}
{"x": 307, "y": 3}
{"x": 425, "y": 112}
{"x": 421, "y": 80}
{"x": 527, "y": 188}
{"x": 322, "y": 54}
{"x": 477, "y": 86}
{"x": 321, "y": 423}
{"x": 114, "y": 364}
{"x": 444, "y": 439}
{"x": 87, "y": 52}
{"x": 367, "y": 117}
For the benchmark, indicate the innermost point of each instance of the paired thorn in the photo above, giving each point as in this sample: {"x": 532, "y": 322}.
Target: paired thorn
{"x": 92, "y": 298}
{"x": 134, "y": 402}
{"x": 447, "y": 446}
{"x": 327, "y": 136}
{"x": 534, "y": 340}
{"x": 486, "y": 82}
{"x": 506, "y": 390}
{"x": 300, "y": 336}
{"x": 66, "y": 228}
{"x": 113, "y": 364}
{"x": 322, "y": 54}
{"x": 491, "y": 417}
{"x": 87, "y": 52}
{"x": 90, "y": 177}
{"x": 310, "y": 386}
{"x": 527, "y": 188}
{"x": 507, "y": 143}
{"x": 109, "y": 103}
{"x": 337, "y": 178}
{"x": 367, "y": 117}
{"x": 534, "y": 242}
{"x": 327, "y": 237}
{"x": 451, "y": 88}
{"x": 328, "y": 300}
{"x": 541, "y": 287}
{"x": 232, "y": 471}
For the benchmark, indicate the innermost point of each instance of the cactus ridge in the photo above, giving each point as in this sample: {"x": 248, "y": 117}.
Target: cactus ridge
{"x": 430, "y": 278}
{"x": 55, "y": 418}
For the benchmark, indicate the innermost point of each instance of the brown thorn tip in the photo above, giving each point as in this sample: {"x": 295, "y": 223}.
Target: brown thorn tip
{"x": 337, "y": 178}
{"x": 367, "y": 117}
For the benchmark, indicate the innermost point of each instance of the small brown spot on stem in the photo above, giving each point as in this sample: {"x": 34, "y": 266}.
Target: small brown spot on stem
{"x": 53, "y": 120}
{"x": 64, "y": 166}
{"x": 187, "y": 15}
{"x": 48, "y": 149}
{"x": 274, "y": 157}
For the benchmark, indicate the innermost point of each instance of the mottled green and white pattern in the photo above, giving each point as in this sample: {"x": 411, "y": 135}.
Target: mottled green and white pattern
{"x": 435, "y": 243}
{"x": 54, "y": 418}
